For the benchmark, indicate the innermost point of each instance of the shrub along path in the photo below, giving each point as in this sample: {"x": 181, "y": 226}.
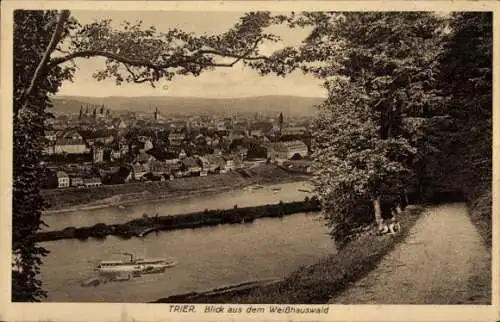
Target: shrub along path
{"x": 443, "y": 261}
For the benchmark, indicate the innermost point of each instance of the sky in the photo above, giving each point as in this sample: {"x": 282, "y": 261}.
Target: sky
{"x": 220, "y": 83}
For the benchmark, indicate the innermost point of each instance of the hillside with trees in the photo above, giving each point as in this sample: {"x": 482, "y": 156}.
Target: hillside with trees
{"x": 273, "y": 104}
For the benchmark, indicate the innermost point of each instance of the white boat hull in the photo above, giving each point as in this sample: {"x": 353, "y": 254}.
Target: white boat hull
{"x": 120, "y": 269}
{"x": 136, "y": 267}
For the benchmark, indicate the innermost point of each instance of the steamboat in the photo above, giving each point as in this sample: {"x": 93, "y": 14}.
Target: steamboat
{"x": 135, "y": 265}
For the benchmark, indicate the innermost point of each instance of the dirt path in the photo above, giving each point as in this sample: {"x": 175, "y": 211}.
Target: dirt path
{"x": 443, "y": 261}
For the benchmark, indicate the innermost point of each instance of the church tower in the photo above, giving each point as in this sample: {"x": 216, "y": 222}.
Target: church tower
{"x": 280, "y": 120}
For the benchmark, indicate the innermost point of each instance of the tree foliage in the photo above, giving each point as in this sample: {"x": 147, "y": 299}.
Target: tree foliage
{"x": 466, "y": 81}
{"x": 455, "y": 149}
{"x": 466, "y": 66}
{"x": 384, "y": 71}
{"x": 353, "y": 163}
{"x": 32, "y": 34}
{"x": 378, "y": 68}
{"x": 137, "y": 54}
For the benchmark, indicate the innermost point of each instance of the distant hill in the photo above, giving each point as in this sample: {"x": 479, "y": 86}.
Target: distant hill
{"x": 288, "y": 105}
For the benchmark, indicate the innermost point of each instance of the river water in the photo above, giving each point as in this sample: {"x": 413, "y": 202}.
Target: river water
{"x": 243, "y": 198}
{"x": 207, "y": 257}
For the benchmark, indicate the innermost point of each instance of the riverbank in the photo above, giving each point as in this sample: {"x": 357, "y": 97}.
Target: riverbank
{"x": 142, "y": 226}
{"x": 123, "y": 200}
{"x": 225, "y": 290}
{"x": 320, "y": 282}
{"x": 75, "y": 199}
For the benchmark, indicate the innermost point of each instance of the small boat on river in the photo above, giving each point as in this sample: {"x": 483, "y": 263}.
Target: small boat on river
{"x": 253, "y": 188}
{"x": 94, "y": 281}
{"x": 133, "y": 265}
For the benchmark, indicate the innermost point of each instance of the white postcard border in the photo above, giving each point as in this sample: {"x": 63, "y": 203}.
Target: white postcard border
{"x": 160, "y": 312}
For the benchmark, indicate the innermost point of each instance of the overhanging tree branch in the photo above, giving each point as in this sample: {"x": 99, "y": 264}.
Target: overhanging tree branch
{"x": 42, "y": 66}
{"x": 174, "y": 63}
{"x": 136, "y": 78}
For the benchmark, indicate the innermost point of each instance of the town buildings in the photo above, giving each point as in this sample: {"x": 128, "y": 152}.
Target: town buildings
{"x": 131, "y": 147}
{"x": 287, "y": 150}
{"x": 70, "y": 142}
{"x": 62, "y": 179}
{"x": 92, "y": 182}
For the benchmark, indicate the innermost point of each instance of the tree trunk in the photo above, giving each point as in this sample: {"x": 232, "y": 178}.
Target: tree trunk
{"x": 404, "y": 200}
{"x": 378, "y": 212}
{"x": 398, "y": 211}
{"x": 42, "y": 65}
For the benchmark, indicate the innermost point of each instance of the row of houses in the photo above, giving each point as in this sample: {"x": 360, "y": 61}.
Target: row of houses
{"x": 183, "y": 165}
{"x": 187, "y": 166}
{"x": 65, "y": 181}
{"x": 72, "y": 143}
{"x": 167, "y": 169}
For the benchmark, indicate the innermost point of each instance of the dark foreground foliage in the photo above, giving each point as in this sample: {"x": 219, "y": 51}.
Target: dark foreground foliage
{"x": 466, "y": 74}
{"x": 409, "y": 108}
{"x": 32, "y": 33}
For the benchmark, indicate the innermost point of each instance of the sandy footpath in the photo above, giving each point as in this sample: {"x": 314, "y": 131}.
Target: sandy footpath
{"x": 443, "y": 261}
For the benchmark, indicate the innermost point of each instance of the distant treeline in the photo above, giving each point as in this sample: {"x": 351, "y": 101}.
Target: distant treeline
{"x": 207, "y": 217}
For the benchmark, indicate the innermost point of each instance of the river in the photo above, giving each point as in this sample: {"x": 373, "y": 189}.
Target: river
{"x": 208, "y": 257}
{"x": 243, "y": 198}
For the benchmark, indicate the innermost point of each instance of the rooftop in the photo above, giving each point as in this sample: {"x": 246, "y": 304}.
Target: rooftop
{"x": 62, "y": 174}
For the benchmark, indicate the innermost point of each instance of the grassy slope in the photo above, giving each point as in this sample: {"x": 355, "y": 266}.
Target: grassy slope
{"x": 480, "y": 213}
{"x": 477, "y": 180}
{"x": 320, "y": 282}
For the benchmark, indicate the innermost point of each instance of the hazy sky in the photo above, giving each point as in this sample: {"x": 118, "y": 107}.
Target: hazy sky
{"x": 224, "y": 82}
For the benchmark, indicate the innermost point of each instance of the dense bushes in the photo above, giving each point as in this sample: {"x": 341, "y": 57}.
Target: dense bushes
{"x": 480, "y": 212}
